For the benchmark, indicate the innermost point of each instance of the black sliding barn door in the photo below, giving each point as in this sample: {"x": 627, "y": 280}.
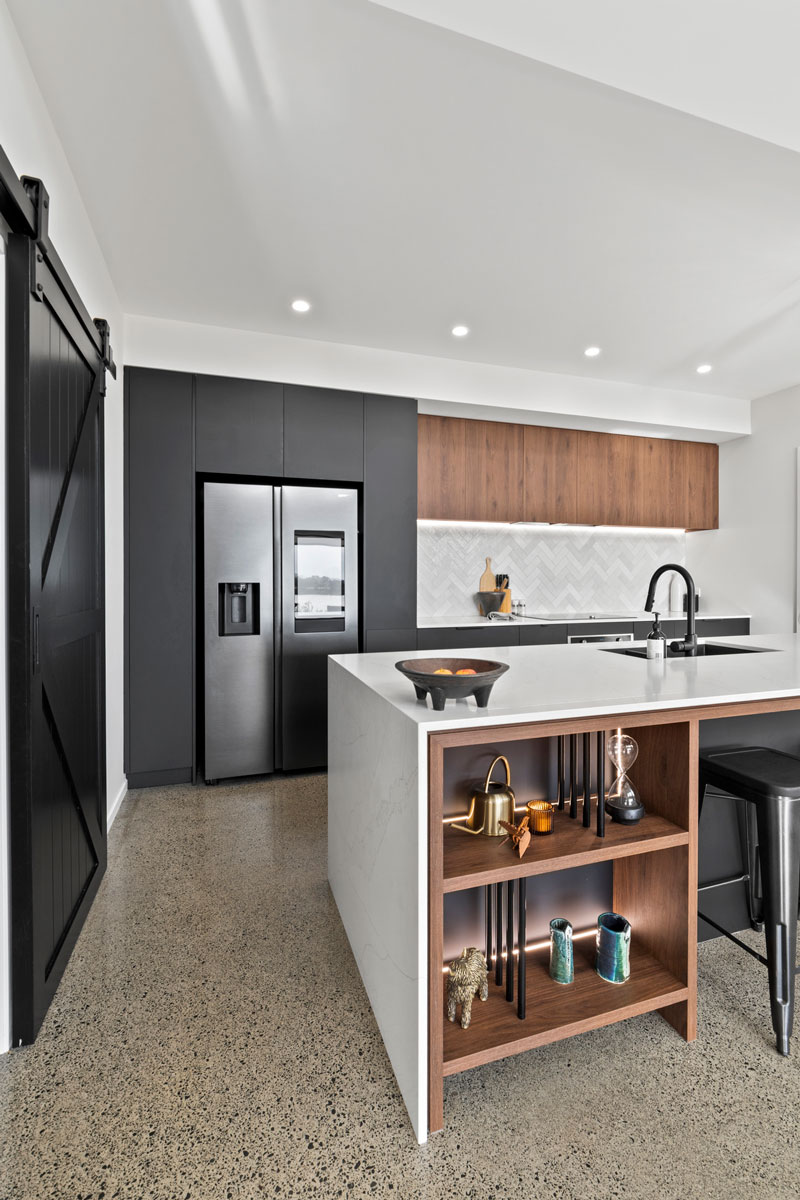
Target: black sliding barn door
{"x": 56, "y": 627}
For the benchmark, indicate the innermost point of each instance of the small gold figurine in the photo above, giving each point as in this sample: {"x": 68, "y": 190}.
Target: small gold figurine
{"x": 468, "y": 975}
{"x": 520, "y": 835}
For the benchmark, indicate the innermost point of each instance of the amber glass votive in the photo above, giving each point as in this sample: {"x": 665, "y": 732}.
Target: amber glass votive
{"x": 540, "y": 814}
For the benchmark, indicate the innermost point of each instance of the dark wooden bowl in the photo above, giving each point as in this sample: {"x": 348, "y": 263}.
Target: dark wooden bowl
{"x": 421, "y": 672}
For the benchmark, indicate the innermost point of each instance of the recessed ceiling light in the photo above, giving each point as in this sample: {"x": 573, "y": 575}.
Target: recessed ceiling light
{"x": 592, "y": 351}
{"x": 460, "y": 330}
{"x": 704, "y": 368}
{"x": 301, "y": 306}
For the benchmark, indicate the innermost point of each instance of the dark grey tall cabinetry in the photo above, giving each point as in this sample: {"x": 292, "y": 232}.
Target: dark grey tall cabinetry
{"x": 390, "y": 523}
{"x": 182, "y": 428}
{"x": 238, "y": 426}
{"x": 159, "y": 577}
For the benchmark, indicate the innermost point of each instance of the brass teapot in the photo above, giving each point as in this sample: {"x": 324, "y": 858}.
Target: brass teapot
{"x": 491, "y": 806}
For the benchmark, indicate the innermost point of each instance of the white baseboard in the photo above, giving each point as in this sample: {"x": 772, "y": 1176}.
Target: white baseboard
{"x": 117, "y": 804}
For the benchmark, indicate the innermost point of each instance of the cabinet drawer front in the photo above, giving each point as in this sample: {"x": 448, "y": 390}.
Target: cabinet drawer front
{"x": 543, "y": 635}
{"x": 721, "y": 627}
{"x": 468, "y": 638}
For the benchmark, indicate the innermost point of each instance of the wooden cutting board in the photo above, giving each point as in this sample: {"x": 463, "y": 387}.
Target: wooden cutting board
{"x": 487, "y": 578}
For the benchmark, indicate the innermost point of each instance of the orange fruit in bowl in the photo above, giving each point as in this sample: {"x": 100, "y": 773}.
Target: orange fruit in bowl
{"x": 466, "y": 671}
{"x": 442, "y": 671}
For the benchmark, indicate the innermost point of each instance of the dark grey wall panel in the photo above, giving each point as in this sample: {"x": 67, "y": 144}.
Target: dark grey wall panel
{"x": 239, "y": 426}
{"x": 390, "y": 513}
{"x": 459, "y": 639}
{"x": 323, "y": 434}
{"x": 160, "y": 545}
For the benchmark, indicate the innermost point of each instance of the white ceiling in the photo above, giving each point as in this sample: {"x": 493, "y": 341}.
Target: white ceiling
{"x": 729, "y": 61}
{"x": 234, "y": 154}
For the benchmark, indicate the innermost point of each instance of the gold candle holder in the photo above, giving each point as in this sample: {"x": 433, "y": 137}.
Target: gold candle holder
{"x": 540, "y": 814}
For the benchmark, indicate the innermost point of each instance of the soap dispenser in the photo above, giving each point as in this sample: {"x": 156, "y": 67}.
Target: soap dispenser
{"x": 656, "y": 640}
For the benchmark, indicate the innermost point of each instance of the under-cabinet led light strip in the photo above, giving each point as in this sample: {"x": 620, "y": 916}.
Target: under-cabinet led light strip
{"x": 556, "y": 526}
{"x": 519, "y": 809}
{"x": 531, "y": 946}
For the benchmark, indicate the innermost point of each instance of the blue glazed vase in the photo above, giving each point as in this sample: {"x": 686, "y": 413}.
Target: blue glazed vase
{"x": 562, "y": 968}
{"x": 613, "y": 947}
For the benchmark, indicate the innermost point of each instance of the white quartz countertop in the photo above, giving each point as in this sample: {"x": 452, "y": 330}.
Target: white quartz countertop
{"x": 472, "y": 620}
{"x": 560, "y": 682}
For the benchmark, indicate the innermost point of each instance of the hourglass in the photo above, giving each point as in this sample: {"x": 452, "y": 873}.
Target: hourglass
{"x": 623, "y": 803}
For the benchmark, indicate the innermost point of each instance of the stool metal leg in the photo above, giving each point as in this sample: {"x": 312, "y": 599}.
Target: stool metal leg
{"x": 748, "y": 839}
{"x": 779, "y": 848}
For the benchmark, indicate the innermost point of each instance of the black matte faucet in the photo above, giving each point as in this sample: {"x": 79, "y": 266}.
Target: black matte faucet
{"x": 689, "y": 644}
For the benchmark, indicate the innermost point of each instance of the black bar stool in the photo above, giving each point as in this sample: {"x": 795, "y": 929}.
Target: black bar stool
{"x": 769, "y": 781}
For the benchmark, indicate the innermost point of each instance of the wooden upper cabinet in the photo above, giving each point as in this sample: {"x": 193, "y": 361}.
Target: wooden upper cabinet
{"x": 702, "y": 485}
{"x": 602, "y": 493}
{"x": 441, "y": 468}
{"x": 655, "y": 482}
{"x": 551, "y": 475}
{"x": 494, "y": 471}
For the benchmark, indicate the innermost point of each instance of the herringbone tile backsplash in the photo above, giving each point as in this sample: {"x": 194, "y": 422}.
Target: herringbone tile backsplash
{"x": 553, "y": 569}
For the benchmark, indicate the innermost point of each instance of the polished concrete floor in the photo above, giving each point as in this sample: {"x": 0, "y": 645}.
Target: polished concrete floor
{"x": 211, "y": 1040}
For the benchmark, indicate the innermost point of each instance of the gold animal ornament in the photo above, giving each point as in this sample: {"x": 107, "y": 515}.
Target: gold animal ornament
{"x": 520, "y": 835}
{"x": 468, "y": 976}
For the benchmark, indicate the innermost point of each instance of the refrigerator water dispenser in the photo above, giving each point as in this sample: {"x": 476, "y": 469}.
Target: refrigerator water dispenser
{"x": 238, "y": 609}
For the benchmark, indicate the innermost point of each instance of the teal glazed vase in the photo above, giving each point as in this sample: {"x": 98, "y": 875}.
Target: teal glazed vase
{"x": 613, "y": 947}
{"x": 562, "y": 968}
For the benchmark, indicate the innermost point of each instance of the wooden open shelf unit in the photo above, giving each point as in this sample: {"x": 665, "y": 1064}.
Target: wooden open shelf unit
{"x": 556, "y": 1011}
{"x": 475, "y": 861}
{"x": 654, "y": 886}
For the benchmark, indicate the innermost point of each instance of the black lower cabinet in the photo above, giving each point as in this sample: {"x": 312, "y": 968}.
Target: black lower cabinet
{"x": 671, "y": 629}
{"x": 589, "y": 629}
{"x": 706, "y": 627}
{"x": 467, "y": 638}
{"x": 159, "y": 575}
{"x": 542, "y": 635}
{"x": 720, "y": 626}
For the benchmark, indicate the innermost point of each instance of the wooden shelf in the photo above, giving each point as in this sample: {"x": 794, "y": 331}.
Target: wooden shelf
{"x": 556, "y": 1011}
{"x": 475, "y": 861}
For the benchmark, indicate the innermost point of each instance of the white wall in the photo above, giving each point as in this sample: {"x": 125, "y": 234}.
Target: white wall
{"x": 443, "y": 385}
{"x": 30, "y": 141}
{"x": 750, "y": 562}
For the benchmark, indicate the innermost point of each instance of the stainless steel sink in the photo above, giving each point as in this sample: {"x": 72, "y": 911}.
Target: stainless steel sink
{"x": 704, "y": 650}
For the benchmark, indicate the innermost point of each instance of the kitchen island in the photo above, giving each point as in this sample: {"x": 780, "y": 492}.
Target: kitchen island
{"x": 411, "y": 891}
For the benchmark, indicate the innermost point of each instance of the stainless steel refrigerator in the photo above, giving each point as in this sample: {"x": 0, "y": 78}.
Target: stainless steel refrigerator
{"x": 280, "y": 569}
